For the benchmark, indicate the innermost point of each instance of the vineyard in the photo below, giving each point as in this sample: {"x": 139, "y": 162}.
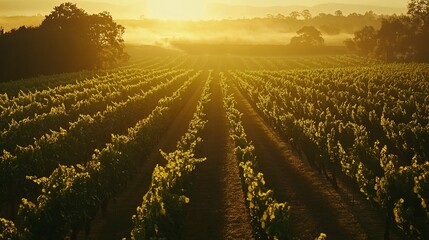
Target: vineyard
{"x": 218, "y": 147}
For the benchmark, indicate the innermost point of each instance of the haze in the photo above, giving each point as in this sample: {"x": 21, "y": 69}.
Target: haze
{"x": 186, "y": 9}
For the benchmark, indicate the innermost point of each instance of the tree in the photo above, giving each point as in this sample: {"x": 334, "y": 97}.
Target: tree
{"x": 306, "y": 14}
{"x": 69, "y": 39}
{"x": 308, "y": 36}
{"x": 400, "y": 38}
{"x": 338, "y": 13}
{"x": 406, "y": 37}
{"x": 70, "y": 26}
{"x": 418, "y": 10}
{"x": 64, "y": 15}
{"x": 96, "y": 33}
{"x": 294, "y": 15}
{"x": 365, "y": 40}
{"x": 370, "y": 15}
{"x": 395, "y": 39}
{"x": 280, "y": 16}
{"x": 107, "y": 37}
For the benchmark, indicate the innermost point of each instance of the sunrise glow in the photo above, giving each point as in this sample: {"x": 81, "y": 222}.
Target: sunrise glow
{"x": 175, "y": 10}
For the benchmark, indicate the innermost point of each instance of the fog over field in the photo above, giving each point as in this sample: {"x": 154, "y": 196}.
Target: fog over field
{"x": 134, "y": 9}
{"x": 156, "y": 21}
{"x": 214, "y": 119}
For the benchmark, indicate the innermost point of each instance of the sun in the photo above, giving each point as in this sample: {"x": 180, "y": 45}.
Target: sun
{"x": 176, "y": 9}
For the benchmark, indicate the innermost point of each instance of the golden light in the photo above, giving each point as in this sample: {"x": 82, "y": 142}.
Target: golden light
{"x": 176, "y": 9}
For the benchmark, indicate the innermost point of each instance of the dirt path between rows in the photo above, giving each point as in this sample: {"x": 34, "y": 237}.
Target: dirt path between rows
{"x": 217, "y": 209}
{"x": 315, "y": 206}
{"x": 117, "y": 224}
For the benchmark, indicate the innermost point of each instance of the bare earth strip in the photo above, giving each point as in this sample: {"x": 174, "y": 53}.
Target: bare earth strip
{"x": 117, "y": 224}
{"x": 316, "y": 206}
{"x": 217, "y": 209}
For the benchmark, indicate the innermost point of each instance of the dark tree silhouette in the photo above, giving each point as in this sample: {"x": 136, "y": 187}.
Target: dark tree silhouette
{"x": 294, "y": 15}
{"x": 306, "y": 14}
{"x": 69, "y": 39}
{"x": 400, "y": 38}
{"x": 338, "y": 13}
{"x": 394, "y": 39}
{"x": 418, "y": 10}
{"x": 366, "y": 40}
{"x": 307, "y": 36}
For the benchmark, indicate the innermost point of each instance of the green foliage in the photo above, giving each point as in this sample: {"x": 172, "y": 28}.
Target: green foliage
{"x": 384, "y": 151}
{"x": 269, "y": 218}
{"x": 86, "y": 133}
{"x": 419, "y": 9}
{"x": 366, "y": 40}
{"x": 400, "y": 38}
{"x": 69, "y": 39}
{"x": 322, "y": 236}
{"x": 71, "y": 195}
{"x": 68, "y": 202}
{"x": 160, "y": 215}
{"x": 308, "y": 36}
{"x": 8, "y": 230}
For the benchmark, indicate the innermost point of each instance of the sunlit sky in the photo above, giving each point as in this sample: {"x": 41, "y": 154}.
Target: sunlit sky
{"x": 166, "y": 9}
{"x": 388, "y": 3}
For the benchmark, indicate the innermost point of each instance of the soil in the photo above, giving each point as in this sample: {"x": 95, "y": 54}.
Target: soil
{"x": 217, "y": 209}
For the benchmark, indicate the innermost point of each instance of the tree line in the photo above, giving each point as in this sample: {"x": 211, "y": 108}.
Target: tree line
{"x": 68, "y": 39}
{"x": 329, "y": 24}
{"x": 400, "y": 38}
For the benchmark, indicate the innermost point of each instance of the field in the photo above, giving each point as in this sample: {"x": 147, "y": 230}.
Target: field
{"x": 181, "y": 146}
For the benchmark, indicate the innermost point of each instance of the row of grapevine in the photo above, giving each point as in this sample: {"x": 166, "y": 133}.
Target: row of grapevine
{"x": 326, "y": 115}
{"x": 179, "y": 61}
{"x": 86, "y": 134}
{"x": 14, "y": 88}
{"x": 160, "y": 215}
{"x": 23, "y": 132}
{"x": 55, "y": 94}
{"x": 40, "y": 83}
{"x": 412, "y": 115}
{"x": 71, "y": 196}
{"x": 26, "y": 105}
{"x": 252, "y": 63}
{"x": 270, "y": 219}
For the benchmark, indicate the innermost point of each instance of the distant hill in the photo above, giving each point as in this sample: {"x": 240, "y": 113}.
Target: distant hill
{"x": 221, "y": 10}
